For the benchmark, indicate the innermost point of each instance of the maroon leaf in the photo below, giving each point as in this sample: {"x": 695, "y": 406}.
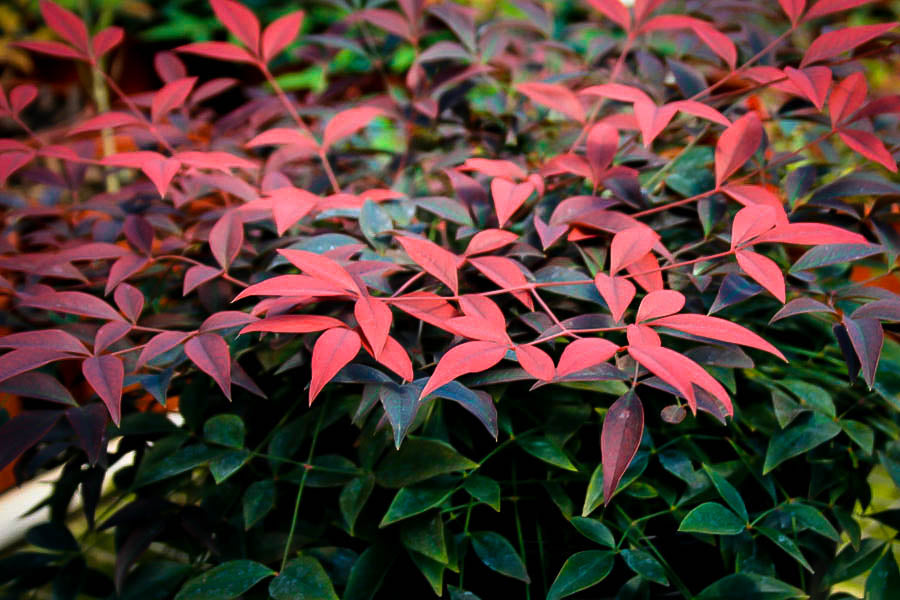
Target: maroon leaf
{"x": 226, "y": 238}
{"x": 620, "y": 439}
{"x": 885, "y": 310}
{"x": 469, "y": 357}
{"x": 332, "y": 351}
{"x": 109, "y": 334}
{"x": 226, "y": 319}
{"x": 89, "y": 422}
{"x": 832, "y": 43}
{"x": 139, "y": 232}
{"x": 867, "y": 337}
{"x": 106, "y": 375}
{"x": 198, "y": 275}
{"x": 283, "y": 135}
{"x": 210, "y": 353}
{"x": 22, "y": 360}
{"x": 240, "y": 21}
{"x": 280, "y": 33}
{"x": 75, "y": 303}
{"x": 57, "y": 339}
{"x": 800, "y": 306}
{"x": 160, "y": 343}
{"x": 24, "y": 431}
{"x": 218, "y": 50}
{"x": 736, "y": 145}
{"x": 168, "y": 66}
{"x": 123, "y": 268}
{"x": 129, "y": 300}
{"x": 386, "y": 19}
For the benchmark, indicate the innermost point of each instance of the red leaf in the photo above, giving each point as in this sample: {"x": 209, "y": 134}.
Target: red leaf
{"x": 284, "y": 135}
{"x": 171, "y": 96}
{"x": 226, "y": 238}
{"x": 617, "y": 292}
{"x": 129, "y": 300}
{"x": 104, "y": 121}
{"x": 395, "y": 358}
{"x": 847, "y": 97}
{"x": 659, "y": 303}
{"x": 614, "y": 11}
{"x": 66, "y": 25}
{"x": 10, "y": 162}
{"x": 548, "y": 234}
{"x": 168, "y": 66}
{"x": 292, "y": 285}
{"x": 584, "y": 353}
{"x": 218, "y": 50}
{"x": 293, "y": 324}
{"x": 321, "y": 267}
{"x": 642, "y": 335}
{"x": 198, "y": 275}
{"x": 505, "y": 272}
{"x": 736, "y": 145}
{"x": 109, "y": 334}
{"x": 332, "y": 351}
{"x": 22, "y": 96}
{"x": 75, "y": 303}
{"x": 793, "y": 9}
{"x": 57, "y": 339}
{"x": 717, "y": 41}
{"x": 698, "y": 109}
{"x": 161, "y": 173}
{"x": 220, "y": 161}
{"x": 289, "y": 205}
{"x": 468, "y": 357}
{"x": 426, "y": 307}
{"x": 750, "y": 222}
{"x": 106, "y": 40}
{"x": 160, "y": 343}
{"x": 240, "y": 21}
{"x": 717, "y": 329}
{"x": 489, "y": 240}
{"x": 226, "y": 319}
{"x": 106, "y": 375}
{"x": 24, "y": 431}
{"x": 750, "y": 195}
{"x": 508, "y": 197}
{"x": 870, "y": 146}
{"x": 867, "y": 337}
{"x": 832, "y": 43}
{"x": 139, "y": 233}
{"x": 374, "y": 318}
{"x": 436, "y": 261}
{"x": 810, "y": 234}
{"x": 494, "y": 168}
{"x": 602, "y": 143}
{"x": 22, "y": 360}
{"x": 618, "y": 92}
{"x": 555, "y": 96}
{"x": 483, "y": 320}
{"x": 630, "y": 245}
{"x": 122, "y": 269}
{"x": 814, "y": 82}
{"x": 51, "y": 48}
{"x": 536, "y": 362}
{"x": 826, "y": 7}
{"x": 348, "y": 122}
{"x": 280, "y": 33}
{"x": 646, "y": 273}
{"x": 763, "y": 271}
{"x": 388, "y": 20}
{"x": 210, "y": 353}
{"x": 620, "y": 439}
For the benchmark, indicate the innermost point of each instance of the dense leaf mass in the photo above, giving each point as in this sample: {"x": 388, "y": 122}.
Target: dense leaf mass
{"x": 527, "y": 211}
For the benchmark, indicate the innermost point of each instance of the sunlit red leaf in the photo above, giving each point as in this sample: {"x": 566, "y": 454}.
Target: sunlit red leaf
{"x": 321, "y": 267}
{"x": 630, "y": 245}
{"x": 293, "y": 324}
{"x": 348, "y": 122}
{"x": 614, "y": 11}
{"x": 218, "y": 50}
{"x": 427, "y": 307}
{"x": 226, "y": 319}
{"x": 104, "y": 121}
{"x": 10, "y": 162}
{"x": 21, "y": 96}
{"x": 620, "y": 438}
{"x": 736, "y": 145}
{"x": 482, "y": 320}
{"x": 106, "y": 375}
{"x": 66, "y": 25}
{"x": 584, "y": 353}
{"x": 646, "y": 273}
{"x": 750, "y": 222}
{"x": 159, "y": 344}
{"x": 847, "y": 97}
{"x": 536, "y": 362}
{"x": 814, "y": 82}
{"x": 793, "y": 9}
{"x": 171, "y": 96}
{"x": 293, "y": 285}
{"x": 870, "y": 146}
{"x": 331, "y": 352}
{"x": 763, "y": 271}
{"x": 436, "y": 261}
{"x": 833, "y": 43}
{"x": 555, "y": 96}
{"x": 239, "y": 20}
{"x": 506, "y": 273}
{"x": 602, "y": 143}
{"x": 106, "y": 40}
{"x": 289, "y": 205}
{"x": 469, "y": 357}
{"x": 659, "y": 303}
{"x": 548, "y": 234}
{"x": 280, "y": 33}
{"x": 51, "y": 48}
{"x": 489, "y": 240}
{"x": 395, "y": 357}
{"x": 286, "y": 136}
{"x": 715, "y": 328}
{"x": 717, "y": 41}
{"x": 374, "y": 318}
{"x": 210, "y": 353}
{"x": 810, "y": 234}
{"x": 494, "y": 168}
{"x": 617, "y": 292}
{"x": 827, "y": 7}
{"x": 508, "y": 197}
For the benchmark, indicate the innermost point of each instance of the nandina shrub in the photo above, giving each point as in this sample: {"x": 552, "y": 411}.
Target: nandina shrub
{"x": 519, "y": 218}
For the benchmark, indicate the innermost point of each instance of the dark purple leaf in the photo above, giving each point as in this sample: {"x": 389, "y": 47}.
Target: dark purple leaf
{"x": 620, "y": 439}
{"x": 24, "y": 431}
{"x": 89, "y": 423}
{"x": 867, "y": 338}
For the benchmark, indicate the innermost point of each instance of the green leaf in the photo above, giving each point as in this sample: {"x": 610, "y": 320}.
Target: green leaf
{"x": 420, "y": 459}
{"x": 645, "y": 565}
{"x": 259, "y": 499}
{"x": 594, "y": 495}
{"x": 368, "y": 573}
{"x": 446, "y": 208}
{"x": 861, "y": 434}
{"x": 400, "y": 403}
{"x": 594, "y": 530}
{"x": 851, "y": 563}
{"x": 884, "y": 579}
{"x": 183, "y": 460}
{"x": 497, "y": 554}
{"x": 154, "y": 580}
{"x": 431, "y": 569}
{"x": 354, "y": 496}
{"x": 811, "y": 396}
{"x": 849, "y": 525}
{"x": 302, "y": 579}
{"x": 225, "y": 430}
{"x": 810, "y": 518}
{"x": 425, "y": 535}
{"x": 786, "y": 544}
{"x": 52, "y": 536}
{"x": 581, "y": 571}
{"x": 547, "y": 451}
{"x": 483, "y": 489}
{"x": 712, "y": 517}
{"x": 806, "y": 433}
{"x": 786, "y": 409}
{"x": 228, "y": 580}
{"x": 458, "y": 594}
{"x": 728, "y": 492}
{"x": 227, "y": 464}
{"x": 415, "y": 500}
{"x": 833, "y": 254}
{"x": 740, "y": 586}
{"x": 373, "y": 220}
